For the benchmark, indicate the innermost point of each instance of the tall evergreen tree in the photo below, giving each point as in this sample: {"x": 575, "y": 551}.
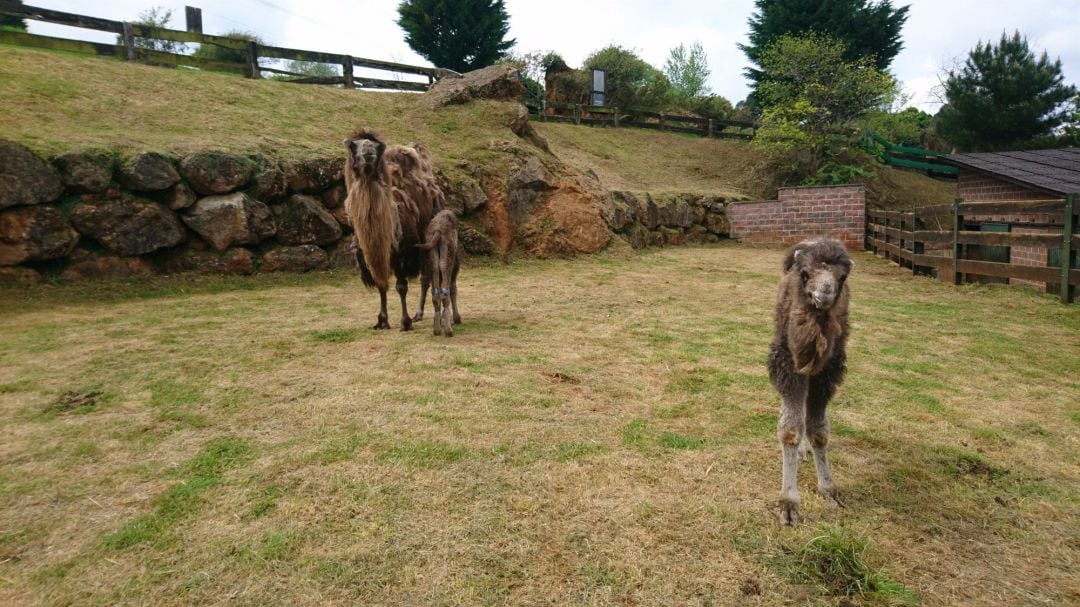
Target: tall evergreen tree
{"x": 1004, "y": 97}
{"x": 461, "y": 35}
{"x": 866, "y": 29}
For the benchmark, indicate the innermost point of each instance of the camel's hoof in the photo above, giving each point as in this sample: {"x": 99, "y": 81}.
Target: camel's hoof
{"x": 789, "y": 513}
{"x": 831, "y": 495}
{"x": 457, "y": 320}
{"x": 382, "y": 324}
{"x": 406, "y": 324}
{"x": 418, "y": 317}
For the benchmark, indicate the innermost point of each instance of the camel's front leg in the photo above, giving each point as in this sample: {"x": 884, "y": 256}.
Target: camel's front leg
{"x": 403, "y": 290}
{"x": 790, "y": 431}
{"x": 425, "y": 283}
{"x": 817, "y": 432}
{"x": 448, "y": 327}
{"x": 384, "y": 319}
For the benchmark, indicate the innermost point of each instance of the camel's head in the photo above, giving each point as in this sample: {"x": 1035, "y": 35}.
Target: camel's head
{"x": 365, "y": 152}
{"x": 823, "y": 267}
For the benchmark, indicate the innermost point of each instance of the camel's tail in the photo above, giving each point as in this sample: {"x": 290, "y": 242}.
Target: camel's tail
{"x": 427, "y": 246}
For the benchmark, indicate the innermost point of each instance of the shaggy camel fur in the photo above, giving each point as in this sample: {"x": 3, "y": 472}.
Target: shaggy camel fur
{"x": 444, "y": 262}
{"x": 390, "y": 201}
{"x": 806, "y": 359}
{"x": 425, "y": 184}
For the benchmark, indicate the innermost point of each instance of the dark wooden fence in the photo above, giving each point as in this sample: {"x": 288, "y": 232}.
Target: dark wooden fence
{"x": 909, "y": 237}
{"x": 621, "y": 117}
{"x": 127, "y": 48}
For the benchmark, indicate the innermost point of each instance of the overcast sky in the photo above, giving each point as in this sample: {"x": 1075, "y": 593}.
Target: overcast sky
{"x": 938, "y": 33}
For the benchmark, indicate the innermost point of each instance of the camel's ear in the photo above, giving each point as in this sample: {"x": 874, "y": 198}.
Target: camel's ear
{"x": 791, "y": 258}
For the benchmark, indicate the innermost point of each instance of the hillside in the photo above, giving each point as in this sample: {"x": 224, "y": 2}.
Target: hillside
{"x": 60, "y": 102}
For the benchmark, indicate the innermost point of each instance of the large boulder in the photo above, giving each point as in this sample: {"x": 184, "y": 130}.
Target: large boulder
{"x": 212, "y": 173}
{"x": 314, "y": 175}
{"x": 148, "y": 172}
{"x": 179, "y": 197}
{"x": 108, "y": 267}
{"x": 621, "y": 210}
{"x": 237, "y": 260}
{"x": 463, "y": 194}
{"x": 521, "y": 127}
{"x": 303, "y": 258}
{"x": 86, "y": 172}
{"x": 34, "y": 233}
{"x": 717, "y": 223}
{"x": 571, "y": 223}
{"x": 526, "y": 187}
{"x": 15, "y": 275}
{"x": 302, "y": 220}
{"x": 25, "y": 178}
{"x": 343, "y": 255}
{"x": 475, "y": 241}
{"x": 501, "y": 82}
{"x": 269, "y": 184}
{"x": 131, "y": 226}
{"x": 229, "y": 220}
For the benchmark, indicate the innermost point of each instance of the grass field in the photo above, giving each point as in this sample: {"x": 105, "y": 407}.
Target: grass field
{"x": 598, "y": 432}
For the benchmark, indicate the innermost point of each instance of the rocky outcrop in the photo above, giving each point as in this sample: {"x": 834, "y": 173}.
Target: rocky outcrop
{"x": 224, "y": 221}
{"x": 210, "y": 174}
{"x": 663, "y": 219}
{"x": 501, "y": 82}
{"x": 132, "y": 226}
{"x": 34, "y": 233}
{"x": 302, "y": 220}
{"x": 303, "y": 258}
{"x": 25, "y": 178}
{"x": 86, "y": 172}
{"x": 269, "y": 184}
{"x": 148, "y": 172}
{"x": 107, "y": 267}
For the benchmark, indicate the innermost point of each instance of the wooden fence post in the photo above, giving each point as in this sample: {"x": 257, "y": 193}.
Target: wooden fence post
{"x": 1066, "y": 248}
{"x": 253, "y": 59}
{"x": 614, "y": 116}
{"x": 957, "y": 248}
{"x": 661, "y": 121}
{"x": 711, "y": 129}
{"x": 915, "y": 248}
{"x": 577, "y": 113}
{"x": 543, "y": 110}
{"x": 129, "y": 41}
{"x": 347, "y": 71}
{"x": 194, "y": 19}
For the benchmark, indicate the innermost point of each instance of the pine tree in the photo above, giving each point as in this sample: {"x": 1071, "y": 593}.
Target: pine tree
{"x": 1004, "y": 97}
{"x": 866, "y": 30}
{"x": 461, "y": 35}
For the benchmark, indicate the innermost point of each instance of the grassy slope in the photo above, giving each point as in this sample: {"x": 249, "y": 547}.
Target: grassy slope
{"x": 58, "y": 102}
{"x": 299, "y": 458}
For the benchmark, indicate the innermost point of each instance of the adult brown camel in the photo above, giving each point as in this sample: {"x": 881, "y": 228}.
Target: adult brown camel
{"x": 390, "y": 201}
{"x": 806, "y": 359}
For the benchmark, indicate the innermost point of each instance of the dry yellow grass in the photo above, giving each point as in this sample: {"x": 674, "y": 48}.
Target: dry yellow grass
{"x": 599, "y": 431}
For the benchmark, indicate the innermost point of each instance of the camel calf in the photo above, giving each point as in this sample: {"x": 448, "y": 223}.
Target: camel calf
{"x": 444, "y": 262}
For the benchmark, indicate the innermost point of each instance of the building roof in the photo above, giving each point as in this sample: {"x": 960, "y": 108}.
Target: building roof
{"x": 1052, "y": 171}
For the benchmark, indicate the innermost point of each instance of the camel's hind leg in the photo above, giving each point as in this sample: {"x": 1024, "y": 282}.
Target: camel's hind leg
{"x": 453, "y": 290}
{"x": 403, "y": 291}
{"x": 817, "y": 432}
{"x": 384, "y": 320}
{"x": 425, "y": 284}
{"x": 790, "y": 431}
{"x": 436, "y": 305}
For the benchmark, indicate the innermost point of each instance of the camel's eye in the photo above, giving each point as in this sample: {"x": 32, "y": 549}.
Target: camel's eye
{"x": 805, "y": 276}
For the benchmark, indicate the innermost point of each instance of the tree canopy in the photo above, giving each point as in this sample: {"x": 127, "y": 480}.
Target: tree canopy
{"x": 630, "y": 81}
{"x": 687, "y": 70}
{"x": 460, "y": 35}
{"x": 13, "y": 23}
{"x": 866, "y": 29}
{"x": 1003, "y": 96}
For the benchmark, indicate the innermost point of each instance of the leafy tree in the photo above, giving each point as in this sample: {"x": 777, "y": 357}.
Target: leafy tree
{"x": 214, "y": 52}
{"x": 461, "y": 35}
{"x": 867, "y": 30}
{"x": 687, "y": 71}
{"x": 13, "y": 24}
{"x": 156, "y": 17}
{"x": 533, "y": 66}
{"x": 631, "y": 82}
{"x": 909, "y": 126}
{"x": 813, "y": 99}
{"x": 1004, "y": 97}
{"x": 713, "y": 106}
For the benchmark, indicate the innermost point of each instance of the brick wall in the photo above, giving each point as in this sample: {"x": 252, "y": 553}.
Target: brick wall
{"x": 799, "y": 213}
{"x": 973, "y": 186}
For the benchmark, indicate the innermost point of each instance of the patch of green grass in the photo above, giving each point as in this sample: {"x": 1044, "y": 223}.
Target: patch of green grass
{"x": 338, "y": 336}
{"x": 671, "y": 440}
{"x": 836, "y": 562}
{"x": 698, "y": 381}
{"x": 965, "y": 464}
{"x": 636, "y": 434}
{"x": 423, "y": 454}
{"x": 341, "y": 447}
{"x": 201, "y": 473}
{"x": 566, "y": 452}
{"x": 265, "y": 501}
{"x": 169, "y": 393}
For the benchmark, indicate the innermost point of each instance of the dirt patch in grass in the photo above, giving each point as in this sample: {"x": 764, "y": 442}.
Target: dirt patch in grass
{"x": 571, "y": 445}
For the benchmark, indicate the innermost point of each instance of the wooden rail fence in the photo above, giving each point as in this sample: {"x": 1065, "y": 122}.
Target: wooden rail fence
{"x": 252, "y": 52}
{"x": 613, "y": 116}
{"x": 903, "y": 237}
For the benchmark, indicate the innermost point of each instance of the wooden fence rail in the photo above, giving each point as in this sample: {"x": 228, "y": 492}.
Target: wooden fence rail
{"x": 128, "y": 48}
{"x": 904, "y": 238}
{"x": 614, "y": 116}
